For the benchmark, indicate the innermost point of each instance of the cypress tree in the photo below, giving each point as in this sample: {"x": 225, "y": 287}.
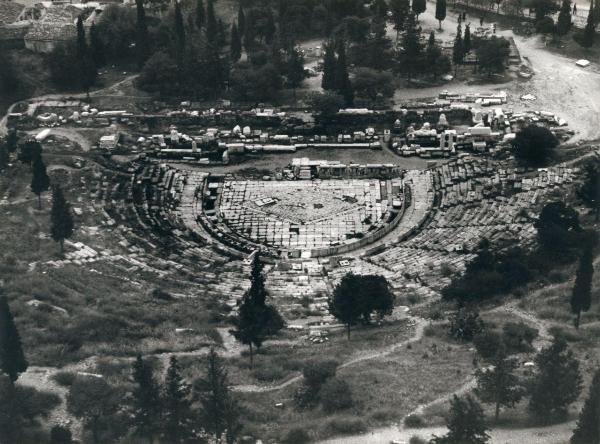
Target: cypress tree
{"x": 458, "y": 50}
{"x": 146, "y": 402}
{"x": 97, "y": 47}
{"x": 12, "y": 358}
{"x": 177, "y": 414}
{"x": 563, "y": 24}
{"x": 4, "y": 155}
{"x": 236, "y": 44}
{"x": 200, "y": 14}
{"x": 12, "y": 140}
{"x": 211, "y": 23}
{"x": 328, "y": 81}
{"x": 411, "y": 42}
{"x": 589, "y": 191}
{"x": 588, "y": 424}
{"x": 241, "y": 21}
{"x": 40, "y": 181}
{"x": 581, "y": 298}
{"x": 87, "y": 69}
{"x": 294, "y": 69}
{"x": 61, "y": 219}
{"x": 342, "y": 78}
{"x": 141, "y": 34}
{"x": 467, "y": 39}
{"x": 400, "y": 10}
{"x": 81, "y": 42}
{"x": 589, "y": 32}
{"x": 179, "y": 34}
{"x": 255, "y": 319}
{"x": 440, "y": 11}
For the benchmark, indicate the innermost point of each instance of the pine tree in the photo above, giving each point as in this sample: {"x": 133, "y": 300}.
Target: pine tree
{"x": 236, "y": 44}
{"x": 342, "y": 78}
{"x": 61, "y": 219}
{"x": 146, "y": 404}
{"x": 589, "y": 32}
{"x": 12, "y": 358}
{"x": 418, "y": 7}
{"x": 557, "y": 382}
{"x": 200, "y": 14}
{"x": 499, "y": 386}
{"x": 328, "y": 82}
{"x": 218, "y": 407}
{"x": 97, "y": 47}
{"x": 255, "y": 319}
{"x": 563, "y": 24}
{"x": 141, "y": 34}
{"x": 581, "y": 298}
{"x": 467, "y": 39}
{"x": 177, "y": 414}
{"x": 466, "y": 423}
{"x": 40, "y": 181}
{"x": 458, "y": 50}
{"x": 440, "y": 11}
{"x": 587, "y": 430}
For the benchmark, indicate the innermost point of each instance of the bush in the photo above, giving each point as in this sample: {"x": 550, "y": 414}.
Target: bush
{"x": 413, "y": 421}
{"x": 465, "y": 324}
{"x": 416, "y": 439}
{"x": 60, "y": 435}
{"x": 517, "y": 337}
{"x": 335, "y": 395}
{"x": 488, "y": 343}
{"x": 348, "y": 426}
{"x": 317, "y": 372}
{"x": 296, "y": 436}
{"x": 269, "y": 374}
{"x": 534, "y": 144}
{"x": 64, "y": 379}
{"x": 545, "y": 25}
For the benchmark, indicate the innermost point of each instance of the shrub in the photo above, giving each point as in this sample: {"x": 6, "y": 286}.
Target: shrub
{"x": 64, "y": 379}
{"x": 465, "y": 324}
{"x": 335, "y": 395}
{"x": 269, "y": 374}
{"x": 296, "y": 436}
{"x": 416, "y": 439}
{"x": 413, "y": 421}
{"x": 60, "y": 435}
{"x": 545, "y": 25}
{"x": 518, "y": 337}
{"x": 349, "y": 426}
{"x": 488, "y": 343}
{"x": 317, "y": 372}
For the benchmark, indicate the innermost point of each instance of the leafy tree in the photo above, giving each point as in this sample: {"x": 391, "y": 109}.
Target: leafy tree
{"x": 118, "y": 28}
{"x": 40, "y": 181}
{"x": 543, "y": 8}
{"x": 370, "y": 84}
{"x": 158, "y": 74}
{"x": 440, "y": 11}
{"x": 92, "y": 400}
{"x": 200, "y": 14}
{"x": 235, "y": 50}
{"x": 492, "y": 54}
{"x": 563, "y": 25}
{"x": 418, "y": 7}
{"x": 12, "y": 358}
{"x": 177, "y": 414}
{"x": 61, "y": 219}
{"x": 326, "y": 104}
{"x": 146, "y": 405}
{"x": 141, "y": 34}
{"x": 255, "y": 319}
{"x": 328, "y": 82}
{"x": 218, "y": 407}
{"x": 581, "y": 298}
{"x": 400, "y": 11}
{"x": 555, "y": 227}
{"x": 465, "y": 324}
{"x": 357, "y": 297}
{"x": 589, "y": 191}
{"x": 588, "y": 429}
{"x": 251, "y": 83}
{"x": 466, "y": 424}
{"x": 557, "y": 382}
{"x": 534, "y": 144}
{"x": 499, "y": 385}
{"x": 30, "y": 151}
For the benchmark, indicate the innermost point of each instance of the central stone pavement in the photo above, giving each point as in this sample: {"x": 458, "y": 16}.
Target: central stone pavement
{"x": 304, "y": 215}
